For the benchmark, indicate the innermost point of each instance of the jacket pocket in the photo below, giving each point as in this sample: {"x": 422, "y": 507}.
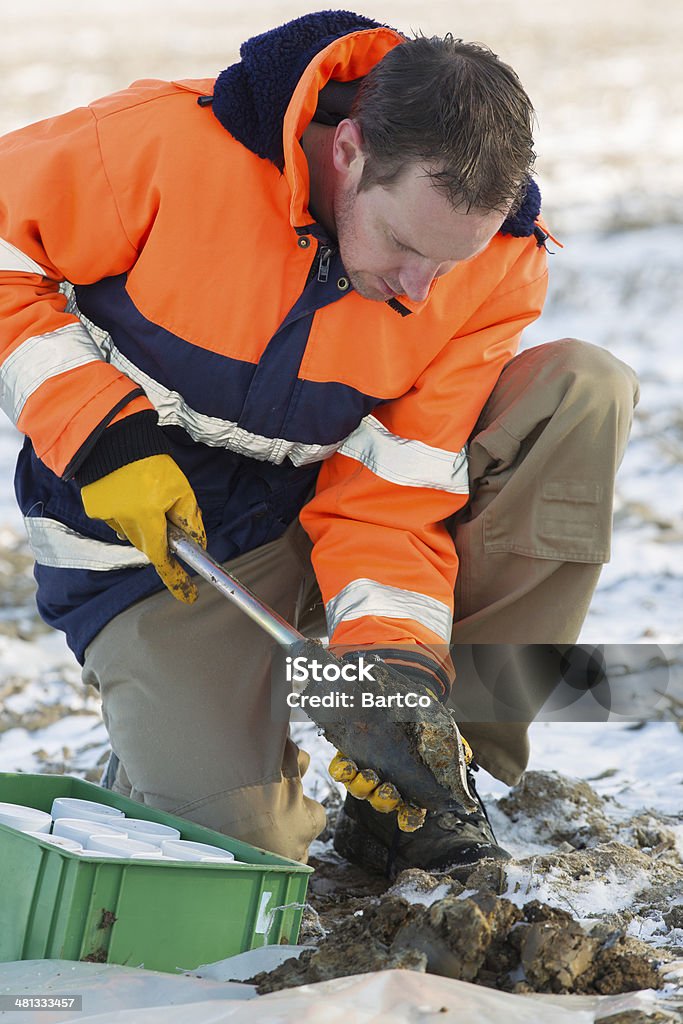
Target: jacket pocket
{"x": 529, "y": 507}
{"x": 565, "y": 520}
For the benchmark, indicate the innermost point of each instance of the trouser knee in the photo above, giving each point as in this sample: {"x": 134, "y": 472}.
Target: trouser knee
{"x": 597, "y": 371}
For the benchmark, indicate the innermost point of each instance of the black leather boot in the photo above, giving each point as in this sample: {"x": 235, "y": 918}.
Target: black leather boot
{"x": 450, "y": 839}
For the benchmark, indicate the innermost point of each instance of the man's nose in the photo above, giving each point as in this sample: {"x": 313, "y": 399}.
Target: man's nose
{"x": 416, "y": 279}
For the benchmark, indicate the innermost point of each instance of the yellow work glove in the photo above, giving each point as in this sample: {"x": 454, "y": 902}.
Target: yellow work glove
{"x": 137, "y": 501}
{"x": 382, "y": 796}
{"x": 365, "y": 784}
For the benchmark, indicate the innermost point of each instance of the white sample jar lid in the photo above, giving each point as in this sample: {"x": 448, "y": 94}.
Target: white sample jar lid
{"x": 152, "y": 828}
{"x": 80, "y": 829}
{"x": 25, "y": 818}
{"x": 61, "y": 841}
{"x": 72, "y": 807}
{"x": 185, "y": 849}
{"x": 99, "y": 854}
{"x": 119, "y": 844}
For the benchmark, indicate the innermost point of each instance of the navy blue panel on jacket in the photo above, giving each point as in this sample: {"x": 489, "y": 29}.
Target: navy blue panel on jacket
{"x": 216, "y": 387}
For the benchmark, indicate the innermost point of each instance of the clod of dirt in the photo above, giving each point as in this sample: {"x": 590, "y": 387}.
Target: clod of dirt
{"x": 455, "y": 935}
{"x": 464, "y": 938}
{"x": 562, "y": 809}
{"x": 674, "y": 917}
{"x": 488, "y": 876}
{"x": 359, "y": 945}
{"x": 555, "y": 954}
{"x": 622, "y": 964}
{"x": 653, "y": 833}
{"x": 418, "y": 886}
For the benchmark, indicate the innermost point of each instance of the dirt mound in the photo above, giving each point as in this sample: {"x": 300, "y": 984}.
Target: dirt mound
{"x": 561, "y": 809}
{"x": 478, "y": 937}
{"x": 593, "y": 915}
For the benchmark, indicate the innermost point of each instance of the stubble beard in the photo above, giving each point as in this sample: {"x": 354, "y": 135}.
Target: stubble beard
{"x": 344, "y": 202}
{"x": 360, "y": 284}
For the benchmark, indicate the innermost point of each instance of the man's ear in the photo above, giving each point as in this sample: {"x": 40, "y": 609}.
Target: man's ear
{"x": 347, "y": 149}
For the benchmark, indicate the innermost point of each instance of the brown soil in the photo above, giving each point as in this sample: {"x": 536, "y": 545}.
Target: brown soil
{"x": 434, "y": 923}
{"x": 481, "y": 938}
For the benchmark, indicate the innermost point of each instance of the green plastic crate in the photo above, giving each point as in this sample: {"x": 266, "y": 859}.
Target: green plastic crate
{"x": 160, "y": 915}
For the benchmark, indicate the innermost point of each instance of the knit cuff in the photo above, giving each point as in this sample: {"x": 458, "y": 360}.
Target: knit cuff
{"x": 136, "y": 437}
{"x": 415, "y": 667}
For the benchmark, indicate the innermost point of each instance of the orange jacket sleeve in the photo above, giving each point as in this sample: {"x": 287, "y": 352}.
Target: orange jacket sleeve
{"x": 58, "y": 222}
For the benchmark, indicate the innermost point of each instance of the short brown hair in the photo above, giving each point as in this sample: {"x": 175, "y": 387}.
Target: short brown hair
{"x": 455, "y": 108}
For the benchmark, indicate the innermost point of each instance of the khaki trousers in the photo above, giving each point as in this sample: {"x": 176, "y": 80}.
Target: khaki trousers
{"x": 186, "y": 690}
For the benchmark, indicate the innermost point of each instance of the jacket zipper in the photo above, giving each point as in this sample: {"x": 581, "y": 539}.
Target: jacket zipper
{"x": 324, "y": 254}
{"x": 319, "y": 269}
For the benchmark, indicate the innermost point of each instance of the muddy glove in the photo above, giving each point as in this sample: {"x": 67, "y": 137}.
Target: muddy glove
{"x": 382, "y": 796}
{"x": 424, "y": 757}
{"x": 137, "y": 501}
{"x": 406, "y": 671}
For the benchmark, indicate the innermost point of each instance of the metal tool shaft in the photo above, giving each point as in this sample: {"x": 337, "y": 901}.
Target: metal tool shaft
{"x": 214, "y": 573}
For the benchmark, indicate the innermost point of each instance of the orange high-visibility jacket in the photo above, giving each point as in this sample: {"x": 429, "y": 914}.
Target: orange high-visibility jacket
{"x": 152, "y": 259}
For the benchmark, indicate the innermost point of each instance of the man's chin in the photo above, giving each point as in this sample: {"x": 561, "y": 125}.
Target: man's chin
{"x": 369, "y": 290}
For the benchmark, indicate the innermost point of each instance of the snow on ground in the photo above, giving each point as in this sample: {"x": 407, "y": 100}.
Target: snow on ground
{"x": 610, "y": 142}
{"x": 610, "y": 893}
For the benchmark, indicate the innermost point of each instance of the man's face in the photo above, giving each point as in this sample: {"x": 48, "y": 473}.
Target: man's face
{"x": 397, "y": 239}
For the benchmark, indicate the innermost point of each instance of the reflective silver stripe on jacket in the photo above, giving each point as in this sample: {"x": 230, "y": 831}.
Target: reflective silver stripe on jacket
{"x": 404, "y": 461}
{"x": 39, "y": 358}
{"x": 211, "y": 430}
{"x": 56, "y": 545}
{"x": 12, "y": 258}
{"x": 367, "y": 597}
{"x": 219, "y": 433}
{"x": 173, "y": 410}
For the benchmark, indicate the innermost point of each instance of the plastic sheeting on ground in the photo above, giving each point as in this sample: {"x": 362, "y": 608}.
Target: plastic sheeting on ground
{"x": 126, "y": 995}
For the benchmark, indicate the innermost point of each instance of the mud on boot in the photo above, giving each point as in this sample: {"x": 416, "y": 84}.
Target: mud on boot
{"x": 450, "y": 838}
